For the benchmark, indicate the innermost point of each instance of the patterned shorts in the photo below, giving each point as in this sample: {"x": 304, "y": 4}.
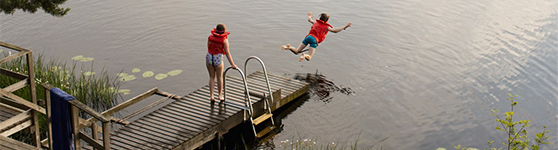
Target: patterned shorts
{"x": 214, "y": 60}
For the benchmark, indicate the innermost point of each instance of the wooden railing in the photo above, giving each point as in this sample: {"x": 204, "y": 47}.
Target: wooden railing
{"x": 76, "y": 107}
{"x": 29, "y": 110}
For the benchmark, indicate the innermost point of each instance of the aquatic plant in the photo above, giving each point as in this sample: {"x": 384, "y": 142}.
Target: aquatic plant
{"x": 516, "y": 139}
{"x": 97, "y": 90}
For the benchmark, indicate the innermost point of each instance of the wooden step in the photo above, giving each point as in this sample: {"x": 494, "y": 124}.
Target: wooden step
{"x": 265, "y": 131}
{"x": 262, "y": 118}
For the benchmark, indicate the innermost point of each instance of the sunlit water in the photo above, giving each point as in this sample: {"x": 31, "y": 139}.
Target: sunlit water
{"x": 425, "y": 74}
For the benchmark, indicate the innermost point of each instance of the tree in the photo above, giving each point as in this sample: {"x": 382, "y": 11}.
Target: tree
{"x": 31, "y": 6}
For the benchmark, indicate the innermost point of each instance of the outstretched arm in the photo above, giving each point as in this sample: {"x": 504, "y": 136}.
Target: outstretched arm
{"x": 228, "y": 53}
{"x": 310, "y": 14}
{"x": 336, "y": 30}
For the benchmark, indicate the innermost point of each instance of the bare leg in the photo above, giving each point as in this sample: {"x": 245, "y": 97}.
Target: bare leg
{"x": 211, "y": 71}
{"x": 311, "y": 52}
{"x": 219, "y": 74}
{"x": 294, "y": 50}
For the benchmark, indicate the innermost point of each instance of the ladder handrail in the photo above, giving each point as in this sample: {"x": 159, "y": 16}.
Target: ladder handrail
{"x": 248, "y": 102}
{"x": 267, "y": 103}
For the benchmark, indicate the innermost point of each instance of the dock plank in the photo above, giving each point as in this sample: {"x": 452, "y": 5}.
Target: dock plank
{"x": 193, "y": 119}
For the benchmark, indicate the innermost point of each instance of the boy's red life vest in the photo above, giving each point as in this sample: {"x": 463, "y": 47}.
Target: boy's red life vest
{"x": 216, "y": 42}
{"x": 319, "y": 30}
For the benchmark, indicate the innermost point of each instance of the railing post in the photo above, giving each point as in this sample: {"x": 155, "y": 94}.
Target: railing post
{"x": 49, "y": 115}
{"x": 106, "y": 135}
{"x": 94, "y": 131}
{"x": 75, "y": 126}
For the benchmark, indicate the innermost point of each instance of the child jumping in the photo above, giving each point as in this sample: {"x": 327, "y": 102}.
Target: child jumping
{"x": 317, "y": 34}
{"x": 217, "y": 45}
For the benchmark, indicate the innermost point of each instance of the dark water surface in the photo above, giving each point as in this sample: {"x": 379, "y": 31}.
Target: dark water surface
{"x": 424, "y": 73}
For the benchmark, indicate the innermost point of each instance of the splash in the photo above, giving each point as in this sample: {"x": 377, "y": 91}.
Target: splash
{"x": 321, "y": 87}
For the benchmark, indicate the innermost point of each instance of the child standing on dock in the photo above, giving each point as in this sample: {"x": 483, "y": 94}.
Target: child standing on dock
{"x": 217, "y": 45}
{"x": 317, "y": 34}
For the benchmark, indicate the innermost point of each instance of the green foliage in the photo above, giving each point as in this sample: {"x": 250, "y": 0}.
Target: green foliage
{"x": 49, "y": 6}
{"x": 97, "y": 91}
{"x": 516, "y": 131}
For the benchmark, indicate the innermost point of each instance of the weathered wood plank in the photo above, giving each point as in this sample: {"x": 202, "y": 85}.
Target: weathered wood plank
{"x": 147, "y": 138}
{"x": 180, "y": 127}
{"x": 206, "y": 112}
{"x": 126, "y": 142}
{"x": 17, "y": 128}
{"x": 8, "y": 143}
{"x": 155, "y": 133}
{"x": 179, "y": 134}
{"x": 184, "y": 118}
{"x": 129, "y": 102}
{"x": 22, "y": 101}
{"x": 13, "y": 47}
{"x": 89, "y": 110}
{"x": 90, "y": 141}
{"x": 8, "y": 127}
{"x": 16, "y": 86}
{"x": 163, "y": 129}
{"x": 12, "y": 57}
{"x": 199, "y": 115}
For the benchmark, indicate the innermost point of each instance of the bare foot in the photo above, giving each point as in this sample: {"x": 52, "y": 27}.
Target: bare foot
{"x": 286, "y": 47}
{"x": 212, "y": 99}
{"x": 301, "y": 58}
{"x": 221, "y": 98}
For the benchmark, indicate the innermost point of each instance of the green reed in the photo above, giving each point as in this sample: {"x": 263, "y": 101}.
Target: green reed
{"x": 97, "y": 91}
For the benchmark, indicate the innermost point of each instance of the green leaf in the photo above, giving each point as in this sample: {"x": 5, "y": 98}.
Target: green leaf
{"x": 174, "y": 72}
{"x": 148, "y": 74}
{"x": 161, "y": 76}
{"x": 128, "y": 78}
{"x": 88, "y": 73}
{"x": 124, "y": 91}
{"x": 78, "y": 57}
{"x": 121, "y": 74}
{"x": 87, "y": 59}
{"x": 136, "y": 70}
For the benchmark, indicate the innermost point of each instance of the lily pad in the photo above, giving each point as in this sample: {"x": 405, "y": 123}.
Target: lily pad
{"x": 124, "y": 91}
{"x": 87, "y": 59}
{"x": 161, "y": 76}
{"x": 78, "y": 57}
{"x": 174, "y": 72}
{"x": 112, "y": 90}
{"x": 128, "y": 78}
{"x": 148, "y": 74}
{"x": 88, "y": 73}
{"x": 121, "y": 74}
{"x": 136, "y": 70}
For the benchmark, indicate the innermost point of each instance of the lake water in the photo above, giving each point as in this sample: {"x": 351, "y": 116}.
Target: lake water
{"x": 425, "y": 74}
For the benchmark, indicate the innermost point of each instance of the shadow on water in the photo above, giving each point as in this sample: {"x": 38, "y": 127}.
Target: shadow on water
{"x": 321, "y": 87}
{"x": 241, "y": 136}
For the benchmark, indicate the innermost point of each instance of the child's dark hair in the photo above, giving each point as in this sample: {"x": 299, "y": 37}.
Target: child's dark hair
{"x": 324, "y": 17}
{"x": 221, "y": 28}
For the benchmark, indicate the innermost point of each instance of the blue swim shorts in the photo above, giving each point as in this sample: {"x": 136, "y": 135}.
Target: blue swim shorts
{"x": 214, "y": 60}
{"x": 310, "y": 40}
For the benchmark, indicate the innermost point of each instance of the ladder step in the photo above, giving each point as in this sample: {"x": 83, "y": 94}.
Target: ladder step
{"x": 265, "y": 131}
{"x": 262, "y": 118}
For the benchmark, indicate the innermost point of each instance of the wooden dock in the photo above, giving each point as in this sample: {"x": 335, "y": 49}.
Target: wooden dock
{"x": 185, "y": 123}
{"x": 192, "y": 120}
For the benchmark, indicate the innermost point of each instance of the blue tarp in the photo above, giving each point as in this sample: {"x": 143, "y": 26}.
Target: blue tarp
{"x": 62, "y": 135}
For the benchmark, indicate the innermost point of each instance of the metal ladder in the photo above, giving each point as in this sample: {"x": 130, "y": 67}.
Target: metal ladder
{"x": 268, "y": 99}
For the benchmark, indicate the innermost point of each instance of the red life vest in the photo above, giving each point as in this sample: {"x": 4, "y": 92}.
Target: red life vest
{"x": 216, "y": 42}
{"x": 319, "y": 30}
